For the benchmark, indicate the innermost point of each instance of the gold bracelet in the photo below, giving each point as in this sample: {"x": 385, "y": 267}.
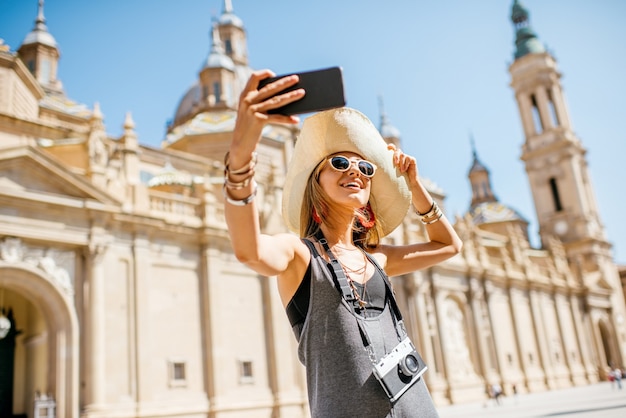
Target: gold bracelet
{"x": 432, "y": 221}
{"x": 236, "y": 185}
{"x": 240, "y": 202}
{"x": 243, "y": 170}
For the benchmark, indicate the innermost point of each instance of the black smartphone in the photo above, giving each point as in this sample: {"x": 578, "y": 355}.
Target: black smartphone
{"x": 323, "y": 90}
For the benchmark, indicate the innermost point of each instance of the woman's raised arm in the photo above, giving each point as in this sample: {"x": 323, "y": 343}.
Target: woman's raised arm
{"x": 443, "y": 240}
{"x": 267, "y": 255}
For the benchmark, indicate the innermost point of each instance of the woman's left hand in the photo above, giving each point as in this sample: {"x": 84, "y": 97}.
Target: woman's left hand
{"x": 404, "y": 162}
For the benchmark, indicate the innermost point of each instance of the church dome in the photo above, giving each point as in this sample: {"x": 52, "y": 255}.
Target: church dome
{"x": 229, "y": 18}
{"x": 528, "y": 43}
{"x": 40, "y": 34}
{"x": 40, "y": 37}
{"x": 218, "y": 59}
{"x": 190, "y": 99}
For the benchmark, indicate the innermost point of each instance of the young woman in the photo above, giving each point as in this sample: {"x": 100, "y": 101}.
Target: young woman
{"x": 344, "y": 191}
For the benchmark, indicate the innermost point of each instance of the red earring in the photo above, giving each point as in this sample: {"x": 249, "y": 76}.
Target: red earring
{"x": 369, "y": 219}
{"x": 316, "y": 217}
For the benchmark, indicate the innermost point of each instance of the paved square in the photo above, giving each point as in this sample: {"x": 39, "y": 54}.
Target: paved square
{"x": 599, "y": 400}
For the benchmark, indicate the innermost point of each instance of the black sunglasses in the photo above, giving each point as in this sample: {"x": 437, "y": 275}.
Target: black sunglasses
{"x": 342, "y": 164}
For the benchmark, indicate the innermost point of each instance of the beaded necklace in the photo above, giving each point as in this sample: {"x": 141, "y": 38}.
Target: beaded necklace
{"x": 361, "y": 271}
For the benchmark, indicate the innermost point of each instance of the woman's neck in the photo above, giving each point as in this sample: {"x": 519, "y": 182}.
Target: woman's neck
{"x": 341, "y": 237}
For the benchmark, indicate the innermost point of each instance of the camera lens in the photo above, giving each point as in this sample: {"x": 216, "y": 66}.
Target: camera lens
{"x": 409, "y": 365}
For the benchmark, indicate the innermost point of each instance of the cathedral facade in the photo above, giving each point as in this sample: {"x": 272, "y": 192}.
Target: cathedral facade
{"x": 120, "y": 295}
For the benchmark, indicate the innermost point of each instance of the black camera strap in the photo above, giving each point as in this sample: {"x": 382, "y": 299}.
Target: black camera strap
{"x": 348, "y": 295}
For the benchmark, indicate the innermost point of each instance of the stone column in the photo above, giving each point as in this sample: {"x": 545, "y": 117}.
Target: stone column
{"x": 540, "y": 335}
{"x": 476, "y": 298}
{"x": 560, "y": 107}
{"x": 525, "y": 108}
{"x": 95, "y": 377}
{"x": 489, "y": 291}
{"x": 142, "y": 356}
{"x": 515, "y": 295}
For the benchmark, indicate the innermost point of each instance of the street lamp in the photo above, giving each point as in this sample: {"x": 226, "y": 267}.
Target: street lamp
{"x": 5, "y": 324}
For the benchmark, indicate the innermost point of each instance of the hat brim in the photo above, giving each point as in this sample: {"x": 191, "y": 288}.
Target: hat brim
{"x": 345, "y": 130}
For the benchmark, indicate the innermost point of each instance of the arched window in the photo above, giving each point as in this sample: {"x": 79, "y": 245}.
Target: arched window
{"x": 536, "y": 115}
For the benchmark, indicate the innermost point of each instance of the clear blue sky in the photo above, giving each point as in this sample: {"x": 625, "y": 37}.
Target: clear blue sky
{"x": 441, "y": 67}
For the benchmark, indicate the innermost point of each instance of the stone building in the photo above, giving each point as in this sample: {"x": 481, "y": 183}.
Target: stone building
{"x": 120, "y": 295}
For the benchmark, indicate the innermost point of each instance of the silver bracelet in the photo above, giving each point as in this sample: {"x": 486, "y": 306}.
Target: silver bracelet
{"x": 432, "y": 216}
{"x": 241, "y": 202}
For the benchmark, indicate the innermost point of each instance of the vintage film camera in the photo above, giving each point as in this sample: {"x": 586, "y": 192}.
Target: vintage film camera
{"x": 400, "y": 369}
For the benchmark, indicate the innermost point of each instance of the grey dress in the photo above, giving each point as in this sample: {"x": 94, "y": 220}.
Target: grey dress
{"x": 338, "y": 369}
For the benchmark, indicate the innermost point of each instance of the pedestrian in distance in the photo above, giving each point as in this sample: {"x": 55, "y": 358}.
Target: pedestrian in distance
{"x": 617, "y": 376}
{"x": 496, "y": 389}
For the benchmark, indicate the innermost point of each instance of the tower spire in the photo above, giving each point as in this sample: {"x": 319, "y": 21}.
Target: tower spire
{"x": 389, "y": 132}
{"x": 217, "y": 56}
{"x": 40, "y": 34}
{"x": 526, "y": 40}
{"x": 479, "y": 179}
{"x": 40, "y": 17}
{"x": 40, "y": 53}
{"x": 228, "y": 6}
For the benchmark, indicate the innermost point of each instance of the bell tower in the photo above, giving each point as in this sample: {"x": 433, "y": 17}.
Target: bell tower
{"x": 553, "y": 155}
{"x": 233, "y": 34}
{"x": 217, "y": 77}
{"x": 40, "y": 53}
{"x": 558, "y": 173}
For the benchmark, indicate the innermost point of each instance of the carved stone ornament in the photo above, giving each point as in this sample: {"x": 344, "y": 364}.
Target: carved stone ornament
{"x": 455, "y": 339}
{"x": 12, "y": 251}
{"x": 59, "y": 275}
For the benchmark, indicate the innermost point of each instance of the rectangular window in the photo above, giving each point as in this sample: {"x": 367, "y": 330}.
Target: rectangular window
{"x": 217, "y": 91}
{"x": 177, "y": 373}
{"x": 485, "y": 189}
{"x": 555, "y": 195}
{"x": 228, "y": 46}
{"x": 44, "y": 74}
{"x": 245, "y": 371}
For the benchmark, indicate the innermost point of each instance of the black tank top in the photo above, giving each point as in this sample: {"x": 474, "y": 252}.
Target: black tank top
{"x": 374, "y": 292}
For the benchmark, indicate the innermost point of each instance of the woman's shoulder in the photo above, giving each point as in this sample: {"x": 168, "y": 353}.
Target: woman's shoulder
{"x": 378, "y": 253}
{"x": 287, "y": 239}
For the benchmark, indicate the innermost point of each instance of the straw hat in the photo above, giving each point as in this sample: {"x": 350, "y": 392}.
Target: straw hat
{"x": 345, "y": 130}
